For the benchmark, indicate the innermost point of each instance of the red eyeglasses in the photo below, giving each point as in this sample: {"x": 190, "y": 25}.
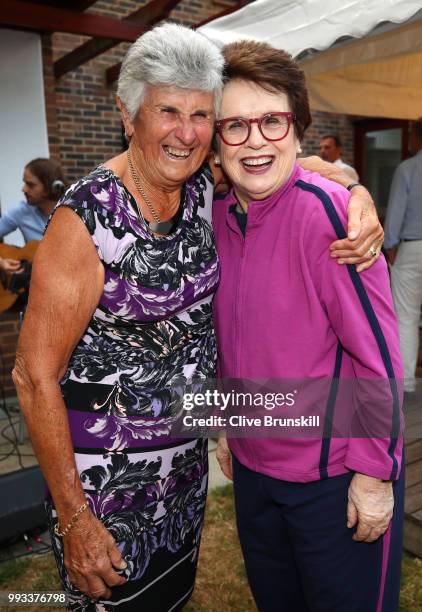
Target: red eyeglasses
{"x": 236, "y": 130}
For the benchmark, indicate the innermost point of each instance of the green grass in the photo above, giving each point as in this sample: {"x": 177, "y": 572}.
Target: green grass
{"x": 221, "y": 581}
{"x": 411, "y": 588}
{"x": 12, "y": 570}
{"x": 35, "y": 573}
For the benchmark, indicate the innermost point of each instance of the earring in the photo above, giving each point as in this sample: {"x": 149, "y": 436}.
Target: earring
{"x": 217, "y": 160}
{"x": 299, "y": 149}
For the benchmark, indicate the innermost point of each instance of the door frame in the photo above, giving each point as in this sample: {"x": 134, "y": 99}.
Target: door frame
{"x": 362, "y": 126}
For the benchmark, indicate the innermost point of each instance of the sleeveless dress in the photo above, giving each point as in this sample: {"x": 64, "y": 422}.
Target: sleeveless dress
{"x": 151, "y": 331}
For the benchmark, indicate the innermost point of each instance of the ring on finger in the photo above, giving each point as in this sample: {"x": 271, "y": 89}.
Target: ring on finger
{"x": 373, "y": 251}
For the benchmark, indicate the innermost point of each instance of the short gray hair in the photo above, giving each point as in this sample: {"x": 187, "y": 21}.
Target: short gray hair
{"x": 170, "y": 55}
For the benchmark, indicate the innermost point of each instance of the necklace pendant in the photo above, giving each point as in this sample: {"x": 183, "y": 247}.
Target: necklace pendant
{"x": 161, "y": 227}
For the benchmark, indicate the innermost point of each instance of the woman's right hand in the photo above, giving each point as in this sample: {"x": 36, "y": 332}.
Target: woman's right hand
{"x": 392, "y": 254}
{"x": 370, "y": 507}
{"x": 91, "y": 557}
{"x": 224, "y": 458}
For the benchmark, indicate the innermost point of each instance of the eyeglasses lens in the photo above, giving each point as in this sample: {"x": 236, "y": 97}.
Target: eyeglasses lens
{"x": 235, "y": 131}
{"x": 273, "y": 127}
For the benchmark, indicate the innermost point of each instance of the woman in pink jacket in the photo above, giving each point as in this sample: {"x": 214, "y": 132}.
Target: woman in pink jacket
{"x": 315, "y": 514}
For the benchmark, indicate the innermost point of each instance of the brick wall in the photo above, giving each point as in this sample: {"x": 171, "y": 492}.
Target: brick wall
{"x": 328, "y": 123}
{"x": 9, "y": 331}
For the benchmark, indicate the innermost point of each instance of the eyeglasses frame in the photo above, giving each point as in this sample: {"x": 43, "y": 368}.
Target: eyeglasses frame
{"x": 258, "y": 120}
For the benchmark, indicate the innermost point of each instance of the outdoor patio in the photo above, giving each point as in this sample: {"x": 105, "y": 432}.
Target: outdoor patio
{"x": 413, "y": 499}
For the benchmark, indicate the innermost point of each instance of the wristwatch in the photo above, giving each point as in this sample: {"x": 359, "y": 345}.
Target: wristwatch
{"x": 350, "y": 187}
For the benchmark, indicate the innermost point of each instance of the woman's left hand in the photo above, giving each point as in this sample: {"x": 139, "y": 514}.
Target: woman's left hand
{"x": 224, "y": 457}
{"x": 370, "y": 506}
{"x": 365, "y": 234}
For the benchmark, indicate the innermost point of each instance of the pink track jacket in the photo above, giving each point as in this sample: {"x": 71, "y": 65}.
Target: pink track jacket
{"x": 285, "y": 309}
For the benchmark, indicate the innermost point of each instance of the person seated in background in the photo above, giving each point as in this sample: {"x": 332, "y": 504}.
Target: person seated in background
{"x": 330, "y": 149}
{"x": 43, "y": 184}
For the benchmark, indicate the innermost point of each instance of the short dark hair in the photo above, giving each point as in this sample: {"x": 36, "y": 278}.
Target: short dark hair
{"x": 47, "y": 172}
{"x": 336, "y": 139}
{"x": 417, "y": 129}
{"x": 273, "y": 70}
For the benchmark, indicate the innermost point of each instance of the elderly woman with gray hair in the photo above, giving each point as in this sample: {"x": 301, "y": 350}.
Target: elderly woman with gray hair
{"x": 119, "y": 313}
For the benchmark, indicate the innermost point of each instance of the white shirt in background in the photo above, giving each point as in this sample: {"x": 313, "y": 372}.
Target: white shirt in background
{"x": 347, "y": 169}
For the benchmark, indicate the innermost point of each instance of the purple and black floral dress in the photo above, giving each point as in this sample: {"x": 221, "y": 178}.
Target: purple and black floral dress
{"x": 151, "y": 333}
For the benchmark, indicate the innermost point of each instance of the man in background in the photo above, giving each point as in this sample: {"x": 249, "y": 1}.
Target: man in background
{"x": 403, "y": 242}
{"x": 330, "y": 149}
{"x": 43, "y": 184}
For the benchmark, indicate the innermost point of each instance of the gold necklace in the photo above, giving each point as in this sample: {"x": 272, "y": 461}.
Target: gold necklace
{"x": 158, "y": 226}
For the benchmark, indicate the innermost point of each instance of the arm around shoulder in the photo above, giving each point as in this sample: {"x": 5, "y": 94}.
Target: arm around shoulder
{"x": 364, "y": 231}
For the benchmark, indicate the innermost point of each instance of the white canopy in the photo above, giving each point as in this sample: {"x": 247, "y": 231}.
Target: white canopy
{"x": 376, "y": 75}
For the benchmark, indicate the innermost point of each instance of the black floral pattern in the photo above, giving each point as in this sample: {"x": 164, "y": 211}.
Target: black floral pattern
{"x": 155, "y": 314}
{"x": 149, "y": 337}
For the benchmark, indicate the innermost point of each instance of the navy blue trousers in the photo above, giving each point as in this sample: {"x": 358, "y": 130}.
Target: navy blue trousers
{"x": 299, "y": 553}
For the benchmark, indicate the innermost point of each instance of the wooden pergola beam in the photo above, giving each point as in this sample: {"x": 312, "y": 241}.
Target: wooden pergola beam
{"x": 71, "y": 5}
{"x": 145, "y": 17}
{"x": 25, "y": 16}
{"x": 112, "y": 73}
